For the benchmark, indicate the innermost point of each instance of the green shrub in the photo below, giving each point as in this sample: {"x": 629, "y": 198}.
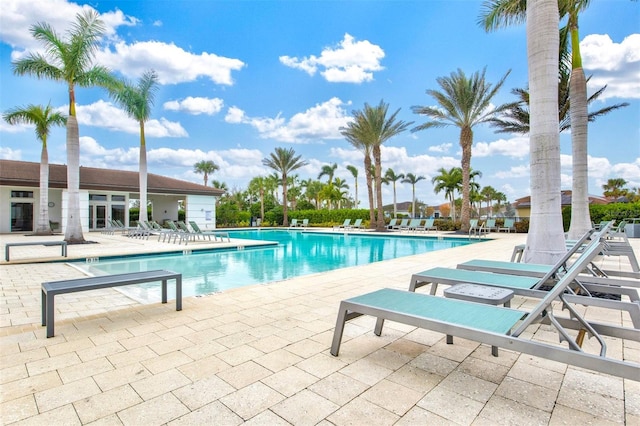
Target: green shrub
{"x": 605, "y": 212}
{"x": 324, "y": 217}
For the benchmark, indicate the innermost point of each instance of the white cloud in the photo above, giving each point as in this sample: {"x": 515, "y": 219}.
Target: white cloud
{"x": 172, "y": 63}
{"x": 514, "y": 172}
{"x": 442, "y": 148}
{"x": 616, "y": 65}
{"x": 106, "y": 115}
{"x": 349, "y": 62}
{"x": 322, "y": 121}
{"x": 14, "y": 128}
{"x": 516, "y": 147}
{"x": 17, "y": 16}
{"x": 7, "y": 153}
{"x": 157, "y": 23}
{"x": 196, "y": 106}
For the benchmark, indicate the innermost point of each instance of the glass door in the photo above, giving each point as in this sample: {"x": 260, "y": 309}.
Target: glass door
{"x": 97, "y": 216}
{"x": 21, "y": 217}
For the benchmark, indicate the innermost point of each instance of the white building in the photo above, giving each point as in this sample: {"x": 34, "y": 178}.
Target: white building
{"x": 104, "y": 195}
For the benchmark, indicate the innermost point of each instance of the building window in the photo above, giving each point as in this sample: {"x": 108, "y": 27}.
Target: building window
{"x": 97, "y": 197}
{"x": 21, "y": 194}
{"x": 118, "y": 198}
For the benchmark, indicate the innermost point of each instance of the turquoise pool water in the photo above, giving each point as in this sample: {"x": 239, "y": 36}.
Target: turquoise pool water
{"x": 297, "y": 253}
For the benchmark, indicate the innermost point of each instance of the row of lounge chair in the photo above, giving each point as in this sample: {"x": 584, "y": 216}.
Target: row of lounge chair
{"x": 177, "y": 232}
{"x": 569, "y": 286}
{"x": 295, "y": 224}
{"x": 415, "y": 225}
{"x": 347, "y": 225}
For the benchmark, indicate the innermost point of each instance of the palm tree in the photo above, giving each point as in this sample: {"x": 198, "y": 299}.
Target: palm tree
{"x": 341, "y": 187}
{"x": 377, "y": 129}
{"x": 448, "y": 181}
{"x": 42, "y": 118}
{"x": 329, "y": 171}
{"x": 69, "y": 61}
{"x": 284, "y": 161}
{"x": 412, "y": 179}
{"x": 258, "y": 185}
{"x": 489, "y": 194}
{"x": 614, "y": 188}
{"x": 354, "y": 173}
{"x": 464, "y": 103}
{"x": 205, "y": 167}
{"x": 137, "y": 102}
{"x": 391, "y": 176}
{"x": 220, "y": 185}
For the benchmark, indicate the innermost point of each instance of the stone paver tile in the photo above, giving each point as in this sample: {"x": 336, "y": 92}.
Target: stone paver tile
{"x": 424, "y": 337}
{"x": 304, "y": 408}
{"x": 451, "y": 405}
{"x": 482, "y": 369}
{"x": 110, "y": 337}
{"x": 174, "y": 332}
{"x": 362, "y": 412}
{"x": 594, "y": 382}
{"x": 120, "y": 376}
{"x": 366, "y": 371}
{"x": 306, "y": 348}
{"x": 174, "y": 344}
{"x": 160, "y": 383}
{"x": 203, "y": 350}
{"x": 203, "y": 392}
{"x": 289, "y": 381}
{"x": 156, "y": 411}
{"x": 393, "y": 397}
{"x": 239, "y": 354}
{"x": 64, "y": 415}
{"x": 148, "y": 328}
{"x": 415, "y": 378}
{"x": 563, "y": 416}
{"x": 269, "y": 344}
{"x": 389, "y": 359}
{"x": 407, "y": 347}
{"x": 203, "y": 335}
{"x": 66, "y": 394}
{"x": 13, "y": 373}
{"x": 502, "y": 411}
{"x": 23, "y": 357}
{"x": 86, "y": 369}
{"x": 106, "y": 403}
{"x": 537, "y": 375}
{"x": 527, "y": 393}
{"x": 251, "y": 400}
{"x": 278, "y": 360}
{"x": 29, "y": 385}
{"x": 458, "y": 351}
{"x": 434, "y": 364}
{"x": 469, "y": 386}
{"x": 99, "y": 351}
{"x": 18, "y": 409}
{"x": 203, "y": 368}
{"x": 53, "y": 363}
{"x": 598, "y": 405}
{"x": 420, "y": 416}
{"x": 133, "y": 356}
{"x": 166, "y": 362}
{"x": 321, "y": 365}
{"x": 269, "y": 418}
{"x": 139, "y": 341}
{"x": 211, "y": 414}
{"x": 632, "y": 397}
{"x": 338, "y": 388}
{"x": 71, "y": 346}
{"x": 112, "y": 420}
{"x": 244, "y": 374}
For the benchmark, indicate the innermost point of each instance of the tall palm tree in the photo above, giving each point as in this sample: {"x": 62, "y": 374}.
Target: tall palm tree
{"x": 137, "y": 101}
{"x": 413, "y": 179}
{"x": 614, "y": 187}
{"x": 205, "y": 167}
{"x": 70, "y": 61}
{"x": 43, "y": 118}
{"x": 448, "y": 181}
{"x": 284, "y": 161}
{"x": 389, "y": 177}
{"x": 354, "y": 173}
{"x": 329, "y": 171}
{"x": 377, "y": 128}
{"x": 463, "y": 103}
{"x": 258, "y": 185}
{"x": 488, "y": 194}
{"x": 341, "y": 187}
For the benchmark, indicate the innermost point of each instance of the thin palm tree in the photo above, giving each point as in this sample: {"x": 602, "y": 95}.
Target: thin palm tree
{"x": 258, "y": 185}
{"x": 488, "y": 194}
{"x": 329, "y": 171}
{"x": 389, "y": 177}
{"x": 377, "y": 129}
{"x": 70, "y": 61}
{"x": 137, "y": 101}
{"x": 354, "y": 173}
{"x": 43, "y": 118}
{"x": 413, "y": 179}
{"x": 205, "y": 167}
{"x": 284, "y": 161}
{"x": 464, "y": 103}
{"x": 448, "y": 181}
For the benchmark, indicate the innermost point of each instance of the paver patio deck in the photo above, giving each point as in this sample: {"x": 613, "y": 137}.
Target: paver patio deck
{"x": 260, "y": 354}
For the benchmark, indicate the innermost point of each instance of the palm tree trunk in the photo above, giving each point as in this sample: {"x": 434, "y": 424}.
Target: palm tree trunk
{"x": 43, "y": 227}
{"x": 413, "y": 203}
{"x": 285, "y": 219}
{"x": 395, "y": 209}
{"x": 545, "y": 241}
{"x": 261, "y": 205}
{"x": 580, "y": 217}
{"x": 466, "y": 139}
{"x": 367, "y": 174}
{"x": 73, "y": 229}
{"x": 378, "y": 163}
{"x": 143, "y": 176}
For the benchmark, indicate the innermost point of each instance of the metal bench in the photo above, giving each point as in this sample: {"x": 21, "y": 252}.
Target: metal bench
{"x": 53, "y": 288}
{"x": 36, "y": 243}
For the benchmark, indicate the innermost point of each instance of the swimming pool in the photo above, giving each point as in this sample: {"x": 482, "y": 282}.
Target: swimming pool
{"x": 297, "y": 253}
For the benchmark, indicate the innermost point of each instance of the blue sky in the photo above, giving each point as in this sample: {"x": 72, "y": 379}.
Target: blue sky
{"x": 239, "y": 78}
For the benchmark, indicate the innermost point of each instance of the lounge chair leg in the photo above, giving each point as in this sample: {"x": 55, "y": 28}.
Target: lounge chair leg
{"x": 378, "y": 328}
{"x": 449, "y": 339}
{"x": 337, "y": 333}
